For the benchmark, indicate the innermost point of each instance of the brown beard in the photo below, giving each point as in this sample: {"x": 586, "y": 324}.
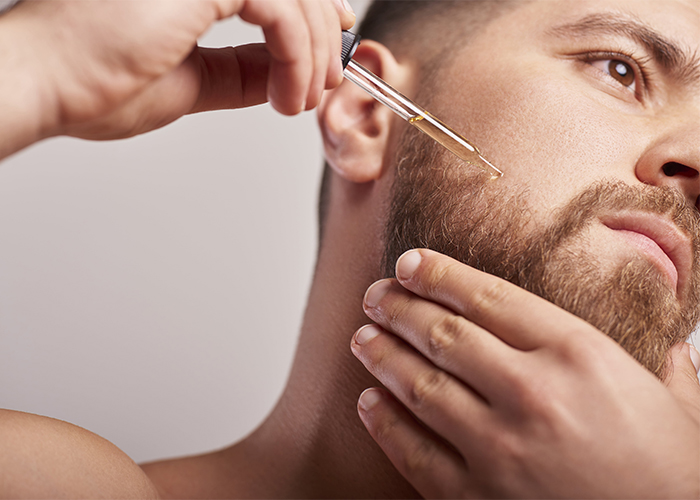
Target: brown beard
{"x": 441, "y": 205}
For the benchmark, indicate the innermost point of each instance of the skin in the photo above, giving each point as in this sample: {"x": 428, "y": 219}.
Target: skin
{"x": 496, "y": 365}
{"x": 123, "y": 83}
{"x": 313, "y": 444}
{"x": 513, "y": 394}
{"x": 114, "y": 69}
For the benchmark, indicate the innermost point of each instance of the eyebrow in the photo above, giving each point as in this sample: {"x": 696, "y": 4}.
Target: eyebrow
{"x": 683, "y": 65}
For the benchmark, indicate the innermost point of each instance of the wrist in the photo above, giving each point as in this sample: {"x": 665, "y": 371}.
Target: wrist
{"x": 25, "y": 91}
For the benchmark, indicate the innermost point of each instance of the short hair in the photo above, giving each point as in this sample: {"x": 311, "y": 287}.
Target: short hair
{"x": 429, "y": 32}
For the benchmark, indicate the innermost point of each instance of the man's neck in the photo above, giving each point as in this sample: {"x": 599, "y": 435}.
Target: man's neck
{"x": 313, "y": 443}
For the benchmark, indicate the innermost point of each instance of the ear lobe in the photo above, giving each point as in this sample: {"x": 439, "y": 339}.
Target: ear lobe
{"x": 354, "y": 126}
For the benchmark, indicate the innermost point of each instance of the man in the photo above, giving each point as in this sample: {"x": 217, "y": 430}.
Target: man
{"x": 609, "y": 84}
{"x": 601, "y": 172}
{"x": 533, "y": 400}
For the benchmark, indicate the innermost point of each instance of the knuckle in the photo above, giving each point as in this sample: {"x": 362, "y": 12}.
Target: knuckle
{"x": 425, "y": 386}
{"x": 536, "y": 398}
{"x": 535, "y": 404}
{"x": 379, "y": 360}
{"x": 583, "y": 352}
{"x": 510, "y": 451}
{"x": 384, "y": 430}
{"x": 529, "y": 396}
{"x": 444, "y": 334}
{"x": 395, "y": 310}
{"x": 434, "y": 278}
{"x": 543, "y": 407}
{"x": 420, "y": 459}
{"x": 485, "y": 300}
{"x": 574, "y": 352}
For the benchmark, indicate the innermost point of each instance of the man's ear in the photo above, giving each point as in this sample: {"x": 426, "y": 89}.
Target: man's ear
{"x": 354, "y": 126}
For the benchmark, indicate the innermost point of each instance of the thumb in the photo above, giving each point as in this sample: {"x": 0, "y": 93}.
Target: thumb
{"x": 682, "y": 378}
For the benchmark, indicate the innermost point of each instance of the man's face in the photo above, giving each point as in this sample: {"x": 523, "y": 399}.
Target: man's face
{"x": 592, "y": 110}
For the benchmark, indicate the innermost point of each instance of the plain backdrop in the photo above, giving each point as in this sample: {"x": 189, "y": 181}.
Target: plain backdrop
{"x": 151, "y": 290}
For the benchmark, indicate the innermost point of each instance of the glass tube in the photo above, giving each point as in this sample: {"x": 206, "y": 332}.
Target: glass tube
{"x": 418, "y": 117}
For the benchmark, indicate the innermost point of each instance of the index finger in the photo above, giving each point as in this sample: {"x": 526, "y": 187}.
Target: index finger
{"x": 518, "y": 317}
{"x": 298, "y": 33}
{"x": 288, "y": 41}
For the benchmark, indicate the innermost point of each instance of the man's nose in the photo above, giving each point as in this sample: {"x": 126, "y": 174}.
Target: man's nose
{"x": 673, "y": 160}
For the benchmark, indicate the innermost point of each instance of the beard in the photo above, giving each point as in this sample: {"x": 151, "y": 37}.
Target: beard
{"x": 462, "y": 214}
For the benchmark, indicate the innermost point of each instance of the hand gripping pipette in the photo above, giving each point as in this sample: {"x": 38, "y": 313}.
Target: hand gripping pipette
{"x": 408, "y": 110}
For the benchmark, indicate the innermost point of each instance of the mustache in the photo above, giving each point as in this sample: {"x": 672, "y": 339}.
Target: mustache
{"x": 605, "y": 197}
{"x": 629, "y": 306}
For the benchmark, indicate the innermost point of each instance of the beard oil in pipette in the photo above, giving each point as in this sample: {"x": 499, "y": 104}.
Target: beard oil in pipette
{"x": 410, "y": 111}
{"x": 428, "y": 124}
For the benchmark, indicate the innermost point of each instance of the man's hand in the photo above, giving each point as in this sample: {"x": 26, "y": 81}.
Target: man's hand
{"x": 108, "y": 69}
{"x": 502, "y": 394}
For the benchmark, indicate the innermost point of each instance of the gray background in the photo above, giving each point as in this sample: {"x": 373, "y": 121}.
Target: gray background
{"x": 151, "y": 290}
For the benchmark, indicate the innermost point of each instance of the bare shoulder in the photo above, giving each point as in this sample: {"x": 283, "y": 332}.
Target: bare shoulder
{"x": 44, "y": 457}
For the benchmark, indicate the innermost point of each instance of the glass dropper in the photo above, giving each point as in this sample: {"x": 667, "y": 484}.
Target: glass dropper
{"x": 410, "y": 111}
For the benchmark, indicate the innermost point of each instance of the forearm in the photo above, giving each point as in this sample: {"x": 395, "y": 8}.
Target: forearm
{"x": 24, "y": 104}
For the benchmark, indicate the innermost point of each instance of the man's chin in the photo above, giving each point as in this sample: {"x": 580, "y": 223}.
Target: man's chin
{"x": 633, "y": 304}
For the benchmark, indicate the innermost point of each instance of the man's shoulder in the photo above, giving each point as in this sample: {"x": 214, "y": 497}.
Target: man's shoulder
{"x": 210, "y": 475}
{"x": 45, "y": 457}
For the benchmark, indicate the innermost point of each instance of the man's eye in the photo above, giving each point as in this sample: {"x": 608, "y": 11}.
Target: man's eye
{"x": 617, "y": 69}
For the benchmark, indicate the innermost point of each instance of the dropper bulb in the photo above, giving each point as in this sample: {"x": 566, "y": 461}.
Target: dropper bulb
{"x": 350, "y": 42}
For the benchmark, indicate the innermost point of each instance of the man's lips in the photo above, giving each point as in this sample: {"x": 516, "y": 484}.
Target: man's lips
{"x": 654, "y": 252}
{"x": 661, "y": 241}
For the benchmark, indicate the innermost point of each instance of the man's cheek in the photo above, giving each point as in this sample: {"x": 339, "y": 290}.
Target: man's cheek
{"x": 548, "y": 139}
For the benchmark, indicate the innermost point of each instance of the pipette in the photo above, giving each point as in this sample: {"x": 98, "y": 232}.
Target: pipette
{"x": 408, "y": 110}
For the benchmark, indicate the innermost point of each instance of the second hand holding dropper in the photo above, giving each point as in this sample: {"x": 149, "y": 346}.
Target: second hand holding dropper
{"x": 408, "y": 110}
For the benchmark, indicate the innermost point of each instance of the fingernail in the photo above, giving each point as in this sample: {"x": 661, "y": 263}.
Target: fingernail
{"x": 366, "y": 333}
{"x": 407, "y": 264}
{"x": 376, "y": 292}
{"x": 368, "y": 399}
{"x": 348, "y": 7}
{"x": 695, "y": 358}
